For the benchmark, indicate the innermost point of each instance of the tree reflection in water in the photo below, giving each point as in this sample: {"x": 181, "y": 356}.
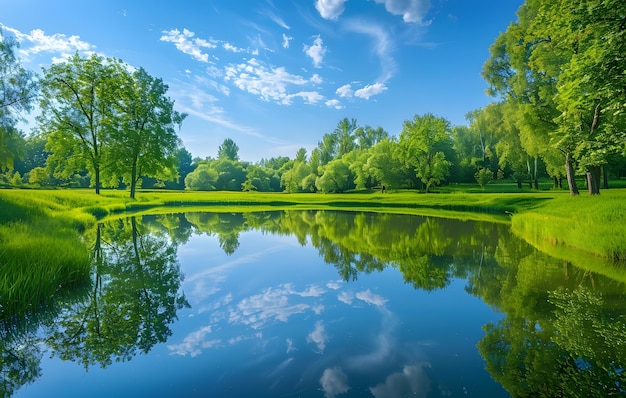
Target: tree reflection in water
{"x": 563, "y": 334}
{"x": 134, "y": 299}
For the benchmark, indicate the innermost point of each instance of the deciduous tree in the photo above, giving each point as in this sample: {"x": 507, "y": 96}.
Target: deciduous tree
{"x": 142, "y": 131}
{"x": 422, "y": 144}
{"x": 77, "y": 114}
{"x": 18, "y": 89}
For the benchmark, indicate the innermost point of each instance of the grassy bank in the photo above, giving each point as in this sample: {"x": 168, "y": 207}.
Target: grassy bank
{"x": 594, "y": 224}
{"x": 40, "y": 253}
{"x": 33, "y": 223}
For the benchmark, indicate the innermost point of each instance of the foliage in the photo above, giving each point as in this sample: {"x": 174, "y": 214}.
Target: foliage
{"x": 484, "y": 177}
{"x": 228, "y": 150}
{"x": 136, "y": 295}
{"x": 336, "y": 177}
{"x": 18, "y": 89}
{"x": 557, "y": 68}
{"x": 423, "y": 143}
{"x": 142, "y": 131}
{"x": 77, "y": 112}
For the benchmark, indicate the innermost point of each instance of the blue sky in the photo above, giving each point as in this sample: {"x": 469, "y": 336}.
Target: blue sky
{"x": 276, "y": 75}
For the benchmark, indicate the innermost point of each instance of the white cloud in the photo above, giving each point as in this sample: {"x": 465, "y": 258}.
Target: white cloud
{"x": 371, "y": 298}
{"x": 345, "y": 91}
{"x": 229, "y": 47}
{"x": 186, "y": 43}
{"x": 346, "y": 297}
{"x": 312, "y": 291}
{"x": 309, "y": 97}
{"x": 290, "y": 346}
{"x": 316, "y": 51}
{"x": 316, "y": 79}
{"x": 411, "y": 10}
{"x": 412, "y": 381}
{"x": 286, "y": 40}
{"x": 269, "y": 83}
{"x": 330, "y": 9}
{"x": 333, "y": 284}
{"x": 370, "y": 90}
{"x": 333, "y": 103}
{"x": 194, "y": 343}
{"x": 334, "y": 382}
{"x": 318, "y": 336}
{"x": 37, "y": 42}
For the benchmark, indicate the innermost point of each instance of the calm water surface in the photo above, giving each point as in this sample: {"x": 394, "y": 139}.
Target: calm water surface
{"x": 321, "y": 304}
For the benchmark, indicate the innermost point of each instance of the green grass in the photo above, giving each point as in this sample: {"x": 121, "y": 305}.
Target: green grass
{"x": 34, "y": 264}
{"x": 40, "y": 250}
{"x": 594, "y": 224}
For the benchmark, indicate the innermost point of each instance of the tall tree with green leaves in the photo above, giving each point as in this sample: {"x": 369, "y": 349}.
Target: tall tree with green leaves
{"x": 346, "y": 136}
{"x": 77, "y": 114}
{"x": 562, "y": 62}
{"x": 142, "y": 131}
{"x": 384, "y": 164}
{"x": 18, "y": 90}
{"x": 228, "y": 150}
{"x": 423, "y": 144}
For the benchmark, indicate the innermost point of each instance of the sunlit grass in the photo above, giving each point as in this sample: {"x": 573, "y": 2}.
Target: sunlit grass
{"x": 40, "y": 251}
{"x": 35, "y": 265}
{"x": 595, "y": 224}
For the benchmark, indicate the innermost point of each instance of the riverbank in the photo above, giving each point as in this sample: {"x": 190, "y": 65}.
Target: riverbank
{"x": 595, "y": 224}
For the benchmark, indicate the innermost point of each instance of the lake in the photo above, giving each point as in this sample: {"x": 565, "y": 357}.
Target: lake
{"x": 321, "y": 304}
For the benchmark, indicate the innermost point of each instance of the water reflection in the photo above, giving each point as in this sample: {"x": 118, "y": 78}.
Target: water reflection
{"x": 129, "y": 307}
{"x": 348, "y": 329}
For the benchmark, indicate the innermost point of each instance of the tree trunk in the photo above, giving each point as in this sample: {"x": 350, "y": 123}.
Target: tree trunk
{"x": 97, "y": 175}
{"x": 605, "y": 177}
{"x": 535, "y": 177}
{"x": 593, "y": 180}
{"x": 571, "y": 177}
{"x": 133, "y": 180}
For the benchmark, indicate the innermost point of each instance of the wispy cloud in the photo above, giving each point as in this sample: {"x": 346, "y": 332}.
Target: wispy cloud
{"x": 411, "y": 10}
{"x": 188, "y": 44}
{"x": 229, "y": 47}
{"x": 270, "y": 83}
{"x": 286, "y": 40}
{"x": 194, "y": 343}
{"x": 271, "y": 305}
{"x": 316, "y": 51}
{"x": 59, "y": 44}
{"x": 383, "y": 45}
{"x": 330, "y": 9}
{"x": 370, "y": 90}
{"x": 371, "y": 298}
{"x": 276, "y": 19}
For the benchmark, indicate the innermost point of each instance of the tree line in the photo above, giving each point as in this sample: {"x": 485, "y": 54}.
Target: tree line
{"x": 556, "y": 75}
